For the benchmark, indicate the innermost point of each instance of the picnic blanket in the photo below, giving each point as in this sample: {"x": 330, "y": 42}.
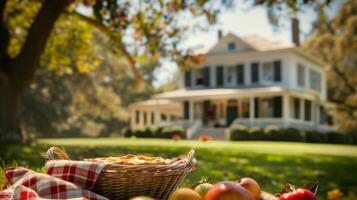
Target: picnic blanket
{"x": 63, "y": 180}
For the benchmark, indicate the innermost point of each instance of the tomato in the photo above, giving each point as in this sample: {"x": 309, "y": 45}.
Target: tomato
{"x": 298, "y": 194}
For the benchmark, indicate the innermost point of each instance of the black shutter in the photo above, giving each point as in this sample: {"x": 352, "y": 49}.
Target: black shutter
{"x": 256, "y": 107}
{"x": 219, "y": 76}
{"x": 188, "y": 79}
{"x": 240, "y": 74}
{"x": 278, "y": 106}
{"x": 206, "y": 76}
{"x": 255, "y": 72}
{"x": 307, "y": 110}
{"x": 277, "y": 71}
{"x": 186, "y": 110}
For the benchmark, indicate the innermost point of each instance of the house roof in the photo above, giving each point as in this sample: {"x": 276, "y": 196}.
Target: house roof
{"x": 216, "y": 93}
{"x": 155, "y": 102}
{"x": 260, "y": 43}
{"x": 257, "y": 43}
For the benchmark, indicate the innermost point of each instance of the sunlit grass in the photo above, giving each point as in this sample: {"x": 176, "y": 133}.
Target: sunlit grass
{"x": 270, "y": 163}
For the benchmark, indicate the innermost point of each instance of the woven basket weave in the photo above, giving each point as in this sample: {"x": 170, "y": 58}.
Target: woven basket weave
{"x": 126, "y": 181}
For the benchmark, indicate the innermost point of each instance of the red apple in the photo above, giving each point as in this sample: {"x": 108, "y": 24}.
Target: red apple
{"x": 185, "y": 194}
{"x": 252, "y": 186}
{"x": 298, "y": 194}
{"x": 228, "y": 190}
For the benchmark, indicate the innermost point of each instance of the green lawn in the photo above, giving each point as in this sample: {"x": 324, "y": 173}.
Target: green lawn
{"x": 270, "y": 163}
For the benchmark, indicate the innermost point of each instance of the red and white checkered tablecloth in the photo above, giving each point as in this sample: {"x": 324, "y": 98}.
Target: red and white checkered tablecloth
{"x": 64, "y": 180}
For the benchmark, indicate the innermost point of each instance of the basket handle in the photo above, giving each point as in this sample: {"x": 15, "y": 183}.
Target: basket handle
{"x": 191, "y": 161}
{"x": 55, "y": 153}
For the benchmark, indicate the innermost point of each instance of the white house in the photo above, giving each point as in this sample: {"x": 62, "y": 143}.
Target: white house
{"x": 251, "y": 81}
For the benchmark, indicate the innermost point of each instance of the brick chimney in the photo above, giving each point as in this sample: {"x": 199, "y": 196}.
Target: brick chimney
{"x": 295, "y": 31}
{"x": 220, "y": 34}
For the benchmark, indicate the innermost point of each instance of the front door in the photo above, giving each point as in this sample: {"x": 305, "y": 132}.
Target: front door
{"x": 232, "y": 114}
{"x": 232, "y": 111}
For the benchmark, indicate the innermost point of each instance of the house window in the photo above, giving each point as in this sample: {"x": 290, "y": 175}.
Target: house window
{"x": 231, "y": 72}
{"x": 187, "y": 78}
{"x": 231, "y": 46}
{"x": 163, "y": 117}
{"x": 145, "y": 118}
{"x": 266, "y": 107}
{"x": 301, "y": 75}
{"x": 323, "y": 115}
{"x": 315, "y": 80}
{"x": 199, "y": 77}
{"x": 137, "y": 117}
{"x": 152, "y": 118}
{"x": 245, "y": 108}
{"x": 296, "y": 108}
{"x": 198, "y": 110}
{"x": 268, "y": 72}
{"x": 186, "y": 110}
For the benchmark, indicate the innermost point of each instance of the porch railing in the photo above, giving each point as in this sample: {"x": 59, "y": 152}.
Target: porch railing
{"x": 292, "y": 123}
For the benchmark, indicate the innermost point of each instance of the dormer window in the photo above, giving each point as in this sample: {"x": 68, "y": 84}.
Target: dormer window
{"x": 231, "y": 46}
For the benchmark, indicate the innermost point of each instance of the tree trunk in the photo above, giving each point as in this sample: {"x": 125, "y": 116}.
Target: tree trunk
{"x": 16, "y": 73}
{"x": 9, "y": 107}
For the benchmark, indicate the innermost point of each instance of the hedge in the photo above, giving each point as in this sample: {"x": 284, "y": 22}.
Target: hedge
{"x": 156, "y": 133}
{"x": 337, "y": 138}
{"x": 241, "y": 133}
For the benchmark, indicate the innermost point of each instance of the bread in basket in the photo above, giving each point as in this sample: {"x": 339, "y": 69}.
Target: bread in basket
{"x": 131, "y": 175}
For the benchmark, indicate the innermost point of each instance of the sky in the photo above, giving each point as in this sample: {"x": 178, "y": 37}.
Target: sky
{"x": 242, "y": 21}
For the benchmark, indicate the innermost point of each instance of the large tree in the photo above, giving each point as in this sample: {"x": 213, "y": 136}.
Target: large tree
{"x": 335, "y": 41}
{"x": 140, "y": 31}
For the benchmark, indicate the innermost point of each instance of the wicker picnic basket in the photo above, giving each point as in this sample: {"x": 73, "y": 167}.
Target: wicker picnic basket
{"x": 126, "y": 181}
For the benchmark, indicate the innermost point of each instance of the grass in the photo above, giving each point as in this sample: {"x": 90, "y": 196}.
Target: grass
{"x": 270, "y": 163}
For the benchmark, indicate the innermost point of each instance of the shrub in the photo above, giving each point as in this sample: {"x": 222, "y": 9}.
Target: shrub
{"x": 354, "y": 137}
{"x": 239, "y": 133}
{"x": 156, "y": 133}
{"x": 315, "y": 137}
{"x": 288, "y": 134}
{"x": 169, "y": 132}
{"x": 128, "y": 133}
{"x": 338, "y": 138}
{"x": 271, "y": 128}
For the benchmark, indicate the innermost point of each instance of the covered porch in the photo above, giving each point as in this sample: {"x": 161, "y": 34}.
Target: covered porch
{"x": 155, "y": 112}
{"x": 258, "y": 107}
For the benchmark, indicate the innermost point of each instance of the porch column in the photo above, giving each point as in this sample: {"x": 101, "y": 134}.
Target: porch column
{"x": 132, "y": 118}
{"x": 191, "y": 112}
{"x": 302, "y": 109}
{"x": 141, "y": 118}
{"x": 157, "y": 115}
{"x": 285, "y": 110}
{"x": 251, "y": 110}
{"x": 316, "y": 113}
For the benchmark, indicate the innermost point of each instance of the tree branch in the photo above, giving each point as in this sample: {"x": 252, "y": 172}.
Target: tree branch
{"x": 2, "y": 7}
{"x": 26, "y": 63}
{"x": 344, "y": 78}
{"x": 120, "y": 45}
